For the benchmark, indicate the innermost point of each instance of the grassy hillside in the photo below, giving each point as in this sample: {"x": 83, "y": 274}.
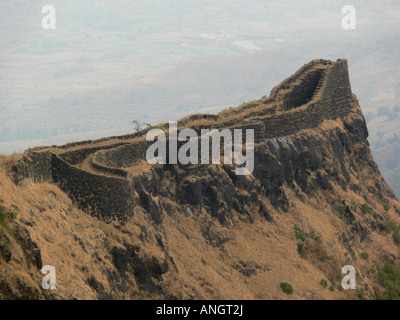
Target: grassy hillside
{"x": 257, "y": 255}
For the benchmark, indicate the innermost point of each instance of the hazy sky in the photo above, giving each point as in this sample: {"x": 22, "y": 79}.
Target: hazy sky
{"x": 53, "y": 82}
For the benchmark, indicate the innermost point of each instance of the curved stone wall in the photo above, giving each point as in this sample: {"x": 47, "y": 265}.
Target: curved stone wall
{"x": 334, "y": 100}
{"x": 97, "y": 194}
{"x": 123, "y": 156}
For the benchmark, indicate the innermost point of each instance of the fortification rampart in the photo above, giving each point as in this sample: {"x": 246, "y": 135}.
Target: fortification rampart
{"x": 97, "y": 194}
{"x": 34, "y": 165}
{"x": 123, "y": 156}
{"x": 77, "y": 156}
{"x": 333, "y": 100}
{"x": 93, "y": 172}
{"x": 297, "y": 76}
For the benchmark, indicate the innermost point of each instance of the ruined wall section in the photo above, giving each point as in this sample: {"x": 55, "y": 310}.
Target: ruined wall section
{"x": 34, "y": 165}
{"x": 78, "y": 156}
{"x": 336, "y": 92}
{"x": 303, "y": 92}
{"x": 98, "y": 195}
{"x": 123, "y": 156}
{"x": 296, "y": 77}
{"x": 334, "y": 100}
{"x": 107, "y": 170}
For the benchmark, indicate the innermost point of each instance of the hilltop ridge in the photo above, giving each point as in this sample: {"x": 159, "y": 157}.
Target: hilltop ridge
{"x": 105, "y": 168}
{"x": 115, "y": 226}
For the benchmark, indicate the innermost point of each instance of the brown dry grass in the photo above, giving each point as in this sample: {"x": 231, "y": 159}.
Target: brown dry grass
{"x": 207, "y": 267}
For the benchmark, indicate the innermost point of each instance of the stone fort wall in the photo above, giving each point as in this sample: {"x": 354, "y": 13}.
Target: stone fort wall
{"x": 99, "y": 195}
{"x": 111, "y": 194}
{"x": 333, "y": 100}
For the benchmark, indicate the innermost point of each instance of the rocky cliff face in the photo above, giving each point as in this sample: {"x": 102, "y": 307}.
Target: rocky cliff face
{"x": 115, "y": 226}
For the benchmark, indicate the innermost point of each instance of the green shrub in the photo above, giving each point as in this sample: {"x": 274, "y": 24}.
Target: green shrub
{"x": 302, "y": 251}
{"x": 286, "y": 288}
{"x": 385, "y": 204}
{"x": 389, "y": 278}
{"x": 341, "y": 212}
{"x": 314, "y": 236}
{"x": 360, "y": 293}
{"x": 392, "y": 227}
{"x": 324, "y": 283}
{"x": 392, "y": 272}
{"x": 28, "y": 262}
{"x": 396, "y": 237}
{"x": 366, "y": 208}
{"x": 2, "y": 216}
{"x": 365, "y": 255}
{"x": 392, "y": 291}
{"x": 15, "y": 211}
{"x": 331, "y": 288}
{"x": 299, "y": 233}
